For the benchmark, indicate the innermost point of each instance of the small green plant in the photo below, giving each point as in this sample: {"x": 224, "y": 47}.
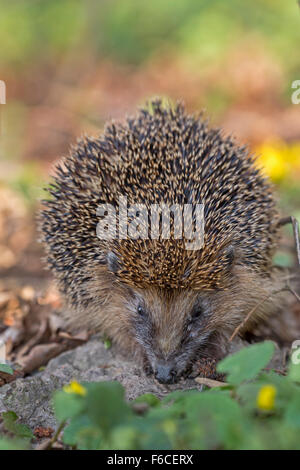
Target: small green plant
{"x": 10, "y": 444}
{"x": 17, "y": 435}
{"x": 256, "y": 410}
{"x": 7, "y": 369}
{"x": 11, "y": 424}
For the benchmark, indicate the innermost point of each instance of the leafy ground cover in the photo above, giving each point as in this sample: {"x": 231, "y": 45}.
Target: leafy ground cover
{"x": 253, "y": 409}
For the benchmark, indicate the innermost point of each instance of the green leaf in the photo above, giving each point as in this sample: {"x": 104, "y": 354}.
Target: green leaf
{"x": 292, "y": 414}
{"x": 89, "y": 438}
{"x": 178, "y": 396}
{"x": 67, "y": 405}
{"x": 157, "y": 439}
{"x": 106, "y": 406}
{"x": 283, "y": 259}
{"x": 148, "y": 398}
{"x": 77, "y": 425}
{"x": 151, "y": 432}
{"x": 7, "y": 369}
{"x": 125, "y": 438}
{"x": 246, "y": 363}
{"x": 107, "y": 343}
{"x": 18, "y": 429}
{"x": 12, "y": 444}
{"x": 222, "y": 406}
{"x": 294, "y": 370}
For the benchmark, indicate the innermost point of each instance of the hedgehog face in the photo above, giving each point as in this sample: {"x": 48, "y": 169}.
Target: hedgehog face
{"x": 171, "y": 326}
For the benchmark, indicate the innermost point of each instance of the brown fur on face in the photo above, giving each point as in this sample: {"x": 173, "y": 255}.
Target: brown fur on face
{"x": 174, "y": 326}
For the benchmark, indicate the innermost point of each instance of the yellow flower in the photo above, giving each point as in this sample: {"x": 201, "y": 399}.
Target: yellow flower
{"x": 279, "y": 160}
{"x": 75, "y": 387}
{"x": 273, "y": 160}
{"x": 294, "y": 155}
{"x": 266, "y": 397}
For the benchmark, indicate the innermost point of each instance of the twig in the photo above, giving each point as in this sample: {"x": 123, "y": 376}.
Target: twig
{"x": 290, "y": 289}
{"x": 294, "y": 293}
{"x": 210, "y": 382}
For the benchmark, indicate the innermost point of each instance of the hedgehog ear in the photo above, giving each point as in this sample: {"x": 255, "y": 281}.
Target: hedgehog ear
{"x": 112, "y": 262}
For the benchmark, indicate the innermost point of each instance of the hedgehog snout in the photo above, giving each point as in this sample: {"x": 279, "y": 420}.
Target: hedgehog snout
{"x": 165, "y": 373}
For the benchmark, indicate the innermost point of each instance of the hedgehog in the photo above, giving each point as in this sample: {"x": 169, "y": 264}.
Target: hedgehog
{"x": 162, "y": 303}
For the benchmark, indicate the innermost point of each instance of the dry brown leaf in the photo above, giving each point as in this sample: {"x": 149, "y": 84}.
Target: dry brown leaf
{"x": 51, "y": 297}
{"x": 41, "y": 432}
{"x": 82, "y": 336}
{"x": 40, "y": 355}
{"x": 33, "y": 341}
{"x": 7, "y": 378}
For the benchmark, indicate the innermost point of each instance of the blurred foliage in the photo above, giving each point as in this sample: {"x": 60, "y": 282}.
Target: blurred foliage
{"x": 27, "y": 181}
{"x": 256, "y": 409}
{"x": 9, "y": 444}
{"x": 6, "y": 368}
{"x": 132, "y": 31}
{"x": 32, "y": 29}
{"x": 11, "y": 424}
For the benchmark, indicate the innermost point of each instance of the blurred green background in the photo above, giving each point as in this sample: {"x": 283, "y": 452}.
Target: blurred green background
{"x": 69, "y": 66}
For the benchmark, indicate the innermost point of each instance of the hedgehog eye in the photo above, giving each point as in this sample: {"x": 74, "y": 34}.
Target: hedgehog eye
{"x": 196, "y": 313}
{"x": 141, "y": 311}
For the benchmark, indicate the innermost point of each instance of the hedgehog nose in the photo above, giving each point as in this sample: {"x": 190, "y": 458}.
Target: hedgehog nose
{"x": 165, "y": 374}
